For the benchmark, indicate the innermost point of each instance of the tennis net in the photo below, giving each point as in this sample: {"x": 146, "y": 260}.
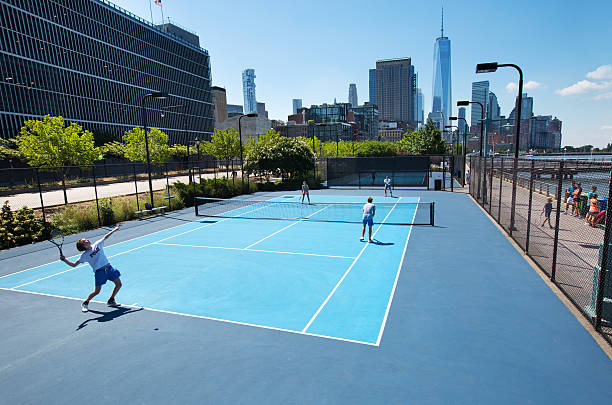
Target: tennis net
{"x": 392, "y": 213}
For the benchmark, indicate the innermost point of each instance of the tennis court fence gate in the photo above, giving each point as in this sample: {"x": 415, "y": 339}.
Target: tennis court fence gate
{"x": 573, "y": 248}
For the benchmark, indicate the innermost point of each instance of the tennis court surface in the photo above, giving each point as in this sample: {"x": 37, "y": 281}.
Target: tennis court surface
{"x": 239, "y": 308}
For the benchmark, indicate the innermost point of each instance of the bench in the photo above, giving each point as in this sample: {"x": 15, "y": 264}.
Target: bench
{"x": 149, "y": 208}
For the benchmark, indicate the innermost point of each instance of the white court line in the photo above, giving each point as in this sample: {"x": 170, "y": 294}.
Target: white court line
{"x": 253, "y": 250}
{"x": 136, "y": 248}
{"x": 288, "y": 226}
{"x": 399, "y": 269}
{"x": 200, "y": 317}
{"x": 348, "y": 270}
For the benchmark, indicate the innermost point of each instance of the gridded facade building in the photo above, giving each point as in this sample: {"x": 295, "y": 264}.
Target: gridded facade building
{"x": 92, "y": 63}
{"x": 395, "y": 90}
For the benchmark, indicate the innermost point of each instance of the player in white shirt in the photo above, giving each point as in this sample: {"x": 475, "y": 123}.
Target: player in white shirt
{"x": 103, "y": 271}
{"x": 388, "y": 186}
{"x": 369, "y": 209}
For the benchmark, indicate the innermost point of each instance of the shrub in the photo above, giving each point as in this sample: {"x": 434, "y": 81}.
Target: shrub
{"x": 20, "y": 227}
{"x": 107, "y": 215}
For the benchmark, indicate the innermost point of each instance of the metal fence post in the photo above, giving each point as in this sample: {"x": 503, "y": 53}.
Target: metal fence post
{"x": 556, "y": 241}
{"x": 136, "y": 186}
{"x": 444, "y": 173}
{"x": 530, "y": 205}
{"x": 168, "y": 188}
{"x": 501, "y": 186}
{"x": 42, "y": 204}
{"x": 452, "y": 171}
{"x": 604, "y": 259}
{"x": 93, "y": 171}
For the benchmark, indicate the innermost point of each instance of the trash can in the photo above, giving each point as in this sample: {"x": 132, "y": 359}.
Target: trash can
{"x": 583, "y": 205}
{"x": 438, "y": 184}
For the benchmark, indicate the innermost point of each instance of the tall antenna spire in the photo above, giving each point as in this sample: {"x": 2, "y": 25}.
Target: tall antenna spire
{"x": 442, "y": 20}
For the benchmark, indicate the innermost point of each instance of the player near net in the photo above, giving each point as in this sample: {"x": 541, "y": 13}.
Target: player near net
{"x": 388, "y": 186}
{"x": 103, "y": 271}
{"x": 305, "y": 191}
{"x": 369, "y": 209}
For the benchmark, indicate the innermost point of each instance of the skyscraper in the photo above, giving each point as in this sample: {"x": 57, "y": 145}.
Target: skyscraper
{"x": 395, "y": 88}
{"x": 297, "y": 103}
{"x": 494, "y": 111}
{"x": 352, "y": 99}
{"x": 372, "y": 86}
{"x": 526, "y": 108}
{"x": 420, "y": 117}
{"x": 480, "y": 93}
{"x": 442, "y": 92}
{"x": 461, "y": 123}
{"x": 248, "y": 91}
{"x": 220, "y": 103}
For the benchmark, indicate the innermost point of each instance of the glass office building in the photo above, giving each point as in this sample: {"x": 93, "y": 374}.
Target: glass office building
{"x": 372, "y": 86}
{"x": 248, "y": 91}
{"x": 395, "y": 90}
{"x": 328, "y": 113}
{"x": 93, "y": 63}
{"x": 442, "y": 90}
{"x": 480, "y": 94}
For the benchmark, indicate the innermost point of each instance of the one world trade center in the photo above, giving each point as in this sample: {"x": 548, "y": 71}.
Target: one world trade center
{"x": 442, "y": 97}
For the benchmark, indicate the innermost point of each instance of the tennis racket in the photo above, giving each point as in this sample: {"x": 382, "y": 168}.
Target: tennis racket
{"x": 57, "y": 238}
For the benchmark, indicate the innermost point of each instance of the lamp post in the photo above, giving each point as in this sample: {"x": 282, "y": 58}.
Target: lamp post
{"x": 464, "y": 103}
{"x": 492, "y": 67}
{"x": 464, "y": 148}
{"x": 160, "y": 95}
{"x": 252, "y": 114}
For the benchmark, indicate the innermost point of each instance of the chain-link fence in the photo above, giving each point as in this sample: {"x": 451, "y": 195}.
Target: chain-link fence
{"x": 433, "y": 172}
{"x": 48, "y": 189}
{"x": 556, "y": 210}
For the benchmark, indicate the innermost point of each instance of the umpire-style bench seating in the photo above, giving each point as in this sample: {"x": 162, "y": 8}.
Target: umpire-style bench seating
{"x": 151, "y": 209}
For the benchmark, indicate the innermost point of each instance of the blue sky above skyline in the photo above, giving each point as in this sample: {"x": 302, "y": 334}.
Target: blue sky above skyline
{"x": 314, "y": 50}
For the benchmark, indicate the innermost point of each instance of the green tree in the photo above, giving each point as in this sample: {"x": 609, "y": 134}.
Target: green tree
{"x": 425, "y": 141}
{"x": 224, "y": 145}
{"x": 275, "y": 155}
{"x": 135, "y": 145}
{"x": 113, "y": 149}
{"x": 50, "y": 143}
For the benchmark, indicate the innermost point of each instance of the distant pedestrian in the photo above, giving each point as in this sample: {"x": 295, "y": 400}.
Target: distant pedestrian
{"x": 593, "y": 209}
{"x": 593, "y": 191}
{"x": 373, "y": 177}
{"x": 546, "y": 210}
{"x": 387, "y": 182}
{"x": 369, "y": 209}
{"x": 569, "y": 196}
{"x": 305, "y": 191}
{"x": 577, "y": 197}
{"x": 467, "y": 176}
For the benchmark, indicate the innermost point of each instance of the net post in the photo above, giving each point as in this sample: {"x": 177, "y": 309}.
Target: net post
{"x": 195, "y": 204}
{"x": 431, "y": 213}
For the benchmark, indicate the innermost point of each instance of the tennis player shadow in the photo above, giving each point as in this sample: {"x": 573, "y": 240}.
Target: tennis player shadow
{"x": 109, "y": 316}
{"x": 379, "y": 243}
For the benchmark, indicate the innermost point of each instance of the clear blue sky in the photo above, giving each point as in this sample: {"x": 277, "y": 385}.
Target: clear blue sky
{"x": 313, "y": 50}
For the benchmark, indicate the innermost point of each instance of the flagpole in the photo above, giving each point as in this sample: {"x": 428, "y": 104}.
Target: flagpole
{"x": 162, "y": 11}
{"x": 151, "y": 10}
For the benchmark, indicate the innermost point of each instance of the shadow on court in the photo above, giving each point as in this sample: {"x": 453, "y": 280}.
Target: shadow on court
{"x": 108, "y": 316}
{"x": 379, "y": 243}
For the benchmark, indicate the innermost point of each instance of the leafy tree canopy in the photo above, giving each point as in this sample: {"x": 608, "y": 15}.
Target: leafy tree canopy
{"x": 135, "y": 145}
{"x": 425, "y": 141}
{"x": 50, "y": 143}
{"x": 275, "y": 155}
{"x": 224, "y": 144}
{"x": 113, "y": 149}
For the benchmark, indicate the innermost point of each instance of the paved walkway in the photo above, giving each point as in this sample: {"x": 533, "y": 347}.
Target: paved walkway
{"x": 578, "y": 248}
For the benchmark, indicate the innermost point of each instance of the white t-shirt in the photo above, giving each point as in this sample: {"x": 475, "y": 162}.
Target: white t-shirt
{"x": 95, "y": 256}
{"x": 387, "y": 181}
{"x": 368, "y": 210}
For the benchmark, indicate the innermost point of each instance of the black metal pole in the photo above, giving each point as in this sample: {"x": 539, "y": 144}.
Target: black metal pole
{"x": 136, "y": 186}
{"x": 556, "y": 240}
{"x": 605, "y": 254}
{"x": 42, "y": 204}
{"x": 241, "y": 158}
{"x": 517, "y": 144}
{"x": 530, "y": 206}
{"x": 144, "y": 124}
{"x": 93, "y": 171}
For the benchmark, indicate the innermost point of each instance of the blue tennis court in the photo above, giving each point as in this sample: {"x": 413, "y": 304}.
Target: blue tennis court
{"x": 298, "y": 275}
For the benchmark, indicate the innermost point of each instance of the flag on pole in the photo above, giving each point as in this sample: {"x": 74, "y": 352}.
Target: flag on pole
{"x": 158, "y": 2}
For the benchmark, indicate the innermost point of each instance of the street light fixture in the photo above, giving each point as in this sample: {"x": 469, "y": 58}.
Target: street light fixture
{"x": 465, "y": 103}
{"x": 252, "y": 114}
{"x": 492, "y": 67}
{"x": 159, "y": 95}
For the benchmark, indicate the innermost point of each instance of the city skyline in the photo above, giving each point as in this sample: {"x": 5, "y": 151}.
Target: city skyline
{"x": 579, "y": 93}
